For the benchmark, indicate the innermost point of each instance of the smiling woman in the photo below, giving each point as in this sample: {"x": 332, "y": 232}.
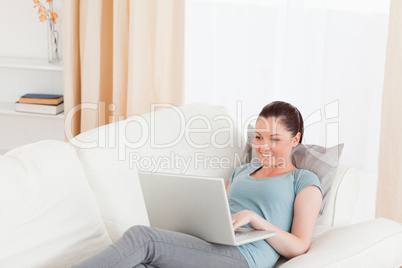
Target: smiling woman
{"x": 274, "y": 194}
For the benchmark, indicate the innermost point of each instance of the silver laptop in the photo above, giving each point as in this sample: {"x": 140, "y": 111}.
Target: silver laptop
{"x": 193, "y": 205}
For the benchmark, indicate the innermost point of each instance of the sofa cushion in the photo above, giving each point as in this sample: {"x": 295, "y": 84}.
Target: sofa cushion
{"x": 374, "y": 243}
{"x": 49, "y": 216}
{"x": 320, "y": 160}
{"x": 198, "y": 139}
{"x": 117, "y": 190}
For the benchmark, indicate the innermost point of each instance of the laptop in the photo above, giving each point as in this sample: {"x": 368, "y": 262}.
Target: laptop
{"x": 194, "y": 205}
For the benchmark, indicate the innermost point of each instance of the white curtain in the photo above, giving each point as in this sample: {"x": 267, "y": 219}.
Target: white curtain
{"x": 325, "y": 57}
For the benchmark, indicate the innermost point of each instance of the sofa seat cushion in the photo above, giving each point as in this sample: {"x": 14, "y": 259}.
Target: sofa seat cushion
{"x": 49, "y": 216}
{"x": 374, "y": 243}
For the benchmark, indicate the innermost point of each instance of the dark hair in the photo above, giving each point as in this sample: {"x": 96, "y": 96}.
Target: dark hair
{"x": 288, "y": 115}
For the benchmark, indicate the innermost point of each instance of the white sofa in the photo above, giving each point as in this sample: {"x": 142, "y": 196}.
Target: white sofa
{"x": 63, "y": 202}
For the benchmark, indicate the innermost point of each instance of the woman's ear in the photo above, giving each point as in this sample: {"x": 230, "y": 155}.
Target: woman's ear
{"x": 296, "y": 139}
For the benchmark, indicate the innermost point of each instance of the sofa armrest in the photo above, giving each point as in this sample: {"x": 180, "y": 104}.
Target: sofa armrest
{"x": 343, "y": 198}
{"x": 374, "y": 243}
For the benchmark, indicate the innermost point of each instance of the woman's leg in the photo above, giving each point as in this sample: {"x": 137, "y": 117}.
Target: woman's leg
{"x": 161, "y": 248}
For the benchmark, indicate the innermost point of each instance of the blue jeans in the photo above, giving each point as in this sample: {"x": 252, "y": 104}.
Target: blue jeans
{"x": 147, "y": 247}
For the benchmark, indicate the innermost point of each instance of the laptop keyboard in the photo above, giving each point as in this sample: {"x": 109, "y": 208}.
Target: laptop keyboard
{"x": 237, "y": 234}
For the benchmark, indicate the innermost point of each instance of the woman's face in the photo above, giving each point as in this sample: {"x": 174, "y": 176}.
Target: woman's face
{"x": 273, "y": 143}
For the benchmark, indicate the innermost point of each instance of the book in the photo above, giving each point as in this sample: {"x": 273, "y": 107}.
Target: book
{"x": 41, "y": 99}
{"x": 39, "y": 108}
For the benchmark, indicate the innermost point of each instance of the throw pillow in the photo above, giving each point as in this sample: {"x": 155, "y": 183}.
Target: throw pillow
{"x": 320, "y": 160}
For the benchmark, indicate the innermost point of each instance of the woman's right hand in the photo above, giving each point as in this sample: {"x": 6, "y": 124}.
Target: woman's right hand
{"x": 244, "y": 217}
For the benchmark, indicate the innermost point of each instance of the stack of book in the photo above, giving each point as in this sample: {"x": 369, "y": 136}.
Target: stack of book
{"x": 40, "y": 103}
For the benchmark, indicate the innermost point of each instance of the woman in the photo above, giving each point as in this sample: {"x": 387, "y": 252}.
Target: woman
{"x": 274, "y": 195}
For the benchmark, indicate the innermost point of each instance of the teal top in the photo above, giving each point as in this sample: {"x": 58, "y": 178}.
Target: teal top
{"x": 271, "y": 198}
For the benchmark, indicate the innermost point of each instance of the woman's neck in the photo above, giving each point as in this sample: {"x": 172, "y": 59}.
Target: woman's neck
{"x": 278, "y": 169}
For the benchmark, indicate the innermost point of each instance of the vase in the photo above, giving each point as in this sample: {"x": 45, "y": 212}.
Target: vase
{"x": 54, "y": 46}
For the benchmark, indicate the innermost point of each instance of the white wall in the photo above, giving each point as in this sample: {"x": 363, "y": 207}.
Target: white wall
{"x": 24, "y": 36}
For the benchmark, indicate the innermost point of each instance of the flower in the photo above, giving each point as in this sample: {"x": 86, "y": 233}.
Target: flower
{"x": 45, "y": 13}
{"x": 42, "y": 18}
{"x": 54, "y": 17}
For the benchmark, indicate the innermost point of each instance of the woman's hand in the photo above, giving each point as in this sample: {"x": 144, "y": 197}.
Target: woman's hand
{"x": 242, "y": 218}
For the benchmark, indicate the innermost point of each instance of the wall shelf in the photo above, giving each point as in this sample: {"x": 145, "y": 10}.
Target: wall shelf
{"x": 8, "y": 108}
{"x": 25, "y": 63}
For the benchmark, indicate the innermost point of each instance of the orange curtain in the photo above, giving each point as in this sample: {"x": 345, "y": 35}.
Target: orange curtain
{"x": 389, "y": 189}
{"x": 120, "y": 56}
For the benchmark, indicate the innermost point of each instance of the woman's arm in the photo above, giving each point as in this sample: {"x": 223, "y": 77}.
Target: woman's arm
{"x": 306, "y": 208}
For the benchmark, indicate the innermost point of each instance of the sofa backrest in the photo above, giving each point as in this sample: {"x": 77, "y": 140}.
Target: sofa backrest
{"x": 343, "y": 198}
{"x": 196, "y": 139}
